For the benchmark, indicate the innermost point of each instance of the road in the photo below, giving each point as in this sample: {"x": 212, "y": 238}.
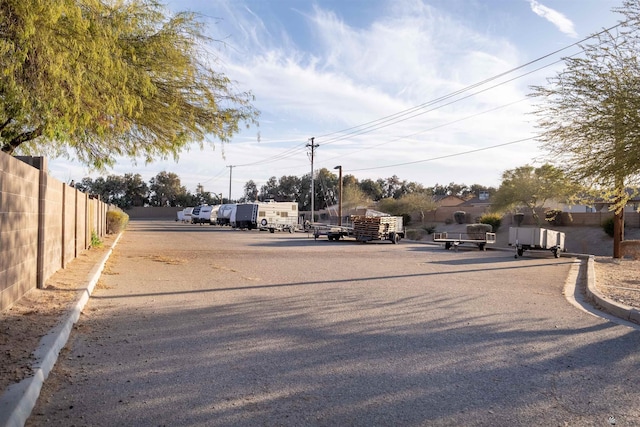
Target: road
{"x": 206, "y": 326}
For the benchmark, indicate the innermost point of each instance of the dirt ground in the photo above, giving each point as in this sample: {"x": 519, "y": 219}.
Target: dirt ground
{"x": 40, "y": 310}
{"x": 28, "y": 320}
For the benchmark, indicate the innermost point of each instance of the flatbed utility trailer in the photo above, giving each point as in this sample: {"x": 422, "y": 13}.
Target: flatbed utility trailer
{"x": 368, "y": 228}
{"x": 333, "y": 232}
{"x": 456, "y": 239}
{"x": 526, "y": 238}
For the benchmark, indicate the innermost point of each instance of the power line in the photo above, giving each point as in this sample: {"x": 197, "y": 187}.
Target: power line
{"x": 421, "y": 109}
{"x": 463, "y": 90}
{"x": 446, "y": 156}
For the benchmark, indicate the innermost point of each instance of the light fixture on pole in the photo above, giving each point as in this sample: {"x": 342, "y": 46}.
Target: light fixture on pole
{"x": 339, "y": 194}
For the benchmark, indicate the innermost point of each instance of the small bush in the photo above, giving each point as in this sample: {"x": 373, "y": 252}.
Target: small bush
{"x": 95, "y": 240}
{"x": 116, "y": 221}
{"x": 414, "y": 234}
{"x": 460, "y": 216}
{"x": 430, "y": 229}
{"x": 607, "y": 226}
{"x": 448, "y": 221}
{"x": 494, "y": 220}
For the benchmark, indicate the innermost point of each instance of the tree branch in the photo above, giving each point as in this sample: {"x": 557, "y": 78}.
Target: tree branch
{"x": 14, "y": 143}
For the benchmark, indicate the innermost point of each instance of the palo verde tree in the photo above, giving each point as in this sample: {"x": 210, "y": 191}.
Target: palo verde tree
{"x": 589, "y": 115}
{"x": 101, "y": 79}
{"x": 530, "y": 187}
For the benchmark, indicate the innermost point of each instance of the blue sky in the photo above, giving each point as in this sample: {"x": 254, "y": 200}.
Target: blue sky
{"x": 364, "y": 78}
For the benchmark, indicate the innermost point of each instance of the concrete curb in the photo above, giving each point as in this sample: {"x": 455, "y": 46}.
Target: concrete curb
{"x": 596, "y": 298}
{"x": 19, "y": 399}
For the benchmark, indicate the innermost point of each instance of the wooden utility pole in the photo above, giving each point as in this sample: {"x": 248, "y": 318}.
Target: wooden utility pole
{"x": 313, "y": 146}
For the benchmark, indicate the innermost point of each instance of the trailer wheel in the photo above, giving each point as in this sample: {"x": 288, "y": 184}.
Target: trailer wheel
{"x": 447, "y": 245}
{"x": 481, "y": 246}
{"x": 395, "y": 239}
{"x": 520, "y": 251}
{"x": 556, "y": 253}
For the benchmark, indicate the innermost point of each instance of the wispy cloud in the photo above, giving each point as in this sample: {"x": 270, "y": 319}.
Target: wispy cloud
{"x": 561, "y": 22}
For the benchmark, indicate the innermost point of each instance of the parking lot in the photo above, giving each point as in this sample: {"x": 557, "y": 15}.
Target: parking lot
{"x": 203, "y": 325}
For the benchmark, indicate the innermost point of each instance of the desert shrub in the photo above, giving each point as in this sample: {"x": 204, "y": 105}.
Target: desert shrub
{"x": 448, "y": 221}
{"x": 95, "y": 240}
{"x": 116, "y": 221}
{"x": 494, "y": 220}
{"x": 607, "y": 226}
{"x": 430, "y": 229}
{"x": 460, "y": 216}
{"x": 414, "y": 234}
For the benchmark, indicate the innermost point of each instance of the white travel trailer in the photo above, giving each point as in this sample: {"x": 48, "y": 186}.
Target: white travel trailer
{"x": 225, "y": 212}
{"x": 213, "y": 218}
{"x": 281, "y": 216}
{"x": 202, "y": 214}
{"x": 186, "y": 215}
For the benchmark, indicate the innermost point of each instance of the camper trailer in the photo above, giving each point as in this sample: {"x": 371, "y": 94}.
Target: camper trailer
{"x": 201, "y": 214}
{"x": 280, "y": 216}
{"x": 225, "y": 212}
{"x": 246, "y": 216}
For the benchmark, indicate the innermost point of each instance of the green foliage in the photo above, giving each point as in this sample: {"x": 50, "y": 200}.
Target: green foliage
{"x": 493, "y": 219}
{"x": 166, "y": 190}
{"x": 460, "y": 216}
{"x": 106, "y": 79}
{"x": 95, "y": 240}
{"x": 553, "y": 216}
{"x": 531, "y": 187}
{"x": 589, "y": 113}
{"x": 116, "y": 221}
{"x": 430, "y": 229}
{"x": 607, "y": 226}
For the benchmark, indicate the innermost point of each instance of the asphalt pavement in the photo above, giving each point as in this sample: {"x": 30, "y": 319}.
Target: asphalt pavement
{"x": 198, "y": 325}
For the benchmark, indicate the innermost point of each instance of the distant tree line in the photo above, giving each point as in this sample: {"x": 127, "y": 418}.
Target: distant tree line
{"x": 131, "y": 190}
{"x": 294, "y": 188}
{"x": 165, "y": 189}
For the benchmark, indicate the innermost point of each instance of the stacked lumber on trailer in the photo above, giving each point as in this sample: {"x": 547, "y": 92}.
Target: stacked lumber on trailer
{"x": 373, "y": 227}
{"x": 478, "y": 231}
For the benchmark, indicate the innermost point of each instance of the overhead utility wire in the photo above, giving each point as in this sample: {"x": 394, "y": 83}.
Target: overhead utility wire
{"x": 445, "y": 105}
{"x": 295, "y": 150}
{"x": 430, "y": 129}
{"x": 276, "y": 157}
{"x": 446, "y": 156}
{"x": 370, "y": 126}
{"x": 453, "y": 94}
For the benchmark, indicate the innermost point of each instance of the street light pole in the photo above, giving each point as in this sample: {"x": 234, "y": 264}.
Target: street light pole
{"x": 339, "y": 194}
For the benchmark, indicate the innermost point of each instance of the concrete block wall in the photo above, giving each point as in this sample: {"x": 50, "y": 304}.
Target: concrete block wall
{"x": 44, "y": 225}
{"x": 19, "y": 193}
